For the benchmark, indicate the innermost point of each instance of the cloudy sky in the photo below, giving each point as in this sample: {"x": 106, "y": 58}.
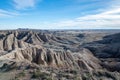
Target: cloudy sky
{"x": 60, "y": 14}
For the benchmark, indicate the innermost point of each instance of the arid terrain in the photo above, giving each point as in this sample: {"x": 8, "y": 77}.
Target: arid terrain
{"x": 60, "y": 54}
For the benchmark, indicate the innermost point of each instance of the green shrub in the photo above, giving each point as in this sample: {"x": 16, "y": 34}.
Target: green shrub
{"x": 21, "y": 74}
{"x": 36, "y": 74}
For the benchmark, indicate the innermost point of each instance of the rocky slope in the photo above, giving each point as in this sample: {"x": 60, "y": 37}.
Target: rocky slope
{"x": 108, "y": 50}
{"x": 74, "y": 54}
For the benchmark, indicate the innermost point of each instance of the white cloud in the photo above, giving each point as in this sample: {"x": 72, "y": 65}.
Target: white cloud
{"x": 106, "y": 19}
{"x": 22, "y": 4}
{"x": 109, "y": 17}
{"x": 5, "y": 13}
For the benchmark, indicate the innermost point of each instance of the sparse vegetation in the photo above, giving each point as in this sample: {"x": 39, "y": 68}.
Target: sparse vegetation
{"x": 41, "y": 75}
{"x": 36, "y": 74}
{"x": 21, "y": 74}
{"x": 87, "y": 76}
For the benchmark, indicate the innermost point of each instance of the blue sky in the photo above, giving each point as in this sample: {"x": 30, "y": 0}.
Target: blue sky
{"x": 60, "y": 14}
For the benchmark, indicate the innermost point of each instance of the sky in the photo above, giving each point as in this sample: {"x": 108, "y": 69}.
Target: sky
{"x": 60, "y": 14}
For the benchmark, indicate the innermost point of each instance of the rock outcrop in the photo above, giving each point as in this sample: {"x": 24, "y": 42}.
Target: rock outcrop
{"x": 58, "y": 59}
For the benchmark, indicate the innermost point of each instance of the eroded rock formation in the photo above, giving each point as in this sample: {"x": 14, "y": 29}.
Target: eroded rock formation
{"x": 85, "y": 52}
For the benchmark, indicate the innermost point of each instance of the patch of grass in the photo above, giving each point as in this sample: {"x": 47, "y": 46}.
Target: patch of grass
{"x": 21, "y": 74}
{"x": 41, "y": 75}
{"x": 87, "y": 76}
{"x": 16, "y": 78}
{"x": 71, "y": 71}
{"x": 36, "y": 74}
{"x": 49, "y": 78}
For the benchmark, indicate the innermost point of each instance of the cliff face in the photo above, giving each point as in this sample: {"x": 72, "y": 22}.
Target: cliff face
{"x": 84, "y": 52}
{"x": 57, "y": 59}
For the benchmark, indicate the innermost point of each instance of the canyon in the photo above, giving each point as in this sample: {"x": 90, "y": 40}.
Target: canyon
{"x": 59, "y": 54}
